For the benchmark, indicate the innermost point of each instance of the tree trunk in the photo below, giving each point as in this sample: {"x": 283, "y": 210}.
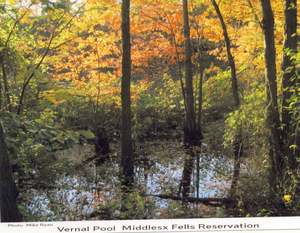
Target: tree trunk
{"x": 102, "y": 147}
{"x": 230, "y": 57}
{"x": 289, "y": 84}
{"x": 191, "y": 123}
{"x": 189, "y": 131}
{"x": 290, "y": 136}
{"x": 200, "y": 98}
{"x": 127, "y": 169}
{"x": 272, "y": 115}
{"x": 192, "y": 135}
{"x": 237, "y": 142}
{"x": 6, "y": 88}
{"x": 187, "y": 171}
{"x": 9, "y": 207}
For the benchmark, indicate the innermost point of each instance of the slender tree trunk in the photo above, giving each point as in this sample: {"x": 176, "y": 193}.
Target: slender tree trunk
{"x": 199, "y": 125}
{"x": 193, "y": 136}
{"x": 190, "y": 127}
{"x": 188, "y": 170}
{"x": 9, "y": 207}
{"x": 272, "y": 115}
{"x": 229, "y": 56}
{"x": 191, "y": 123}
{"x": 200, "y": 98}
{"x": 127, "y": 169}
{"x": 290, "y": 136}
{"x": 6, "y": 88}
{"x": 237, "y": 142}
{"x": 1, "y": 95}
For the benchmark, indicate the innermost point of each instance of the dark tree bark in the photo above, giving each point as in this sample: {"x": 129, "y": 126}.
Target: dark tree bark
{"x": 190, "y": 113}
{"x": 192, "y": 132}
{"x": 127, "y": 173}
{"x": 102, "y": 147}
{"x": 230, "y": 57}
{"x": 272, "y": 114}
{"x": 237, "y": 142}
{"x": 191, "y": 123}
{"x": 290, "y": 136}
{"x": 6, "y": 88}
{"x": 9, "y": 207}
{"x": 188, "y": 170}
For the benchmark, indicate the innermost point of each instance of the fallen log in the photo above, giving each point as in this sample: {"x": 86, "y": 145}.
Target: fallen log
{"x": 211, "y": 201}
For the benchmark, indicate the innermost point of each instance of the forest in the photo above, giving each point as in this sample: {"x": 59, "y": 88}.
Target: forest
{"x": 148, "y": 109}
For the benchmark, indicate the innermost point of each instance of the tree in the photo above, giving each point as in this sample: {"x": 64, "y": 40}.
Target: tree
{"x": 192, "y": 133}
{"x": 237, "y": 141}
{"x": 127, "y": 169}
{"x": 272, "y": 114}
{"x": 9, "y": 193}
{"x": 290, "y": 138}
{"x": 289, "y": 81}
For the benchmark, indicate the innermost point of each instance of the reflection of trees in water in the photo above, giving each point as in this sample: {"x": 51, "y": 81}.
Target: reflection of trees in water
{"x": 90, "y": 191}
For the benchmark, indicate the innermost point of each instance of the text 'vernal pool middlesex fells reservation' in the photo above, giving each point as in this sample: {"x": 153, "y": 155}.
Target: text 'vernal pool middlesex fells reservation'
{"x": 276, "y": 224}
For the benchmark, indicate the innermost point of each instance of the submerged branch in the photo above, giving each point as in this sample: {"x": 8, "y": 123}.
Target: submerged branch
{"x": 215, "y": 202}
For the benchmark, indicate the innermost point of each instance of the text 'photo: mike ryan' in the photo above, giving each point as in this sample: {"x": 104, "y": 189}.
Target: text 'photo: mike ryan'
{"x": 173, "y": 227}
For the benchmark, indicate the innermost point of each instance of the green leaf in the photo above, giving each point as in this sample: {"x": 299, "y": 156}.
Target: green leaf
{"x": 87, "y": 134}
{"x": 60, "y": 134}
{"x": 61, "y": 140}
{"x": 28, "y": 125}
{"x": 54, "y": 133}
{"x": 37, "y": 73}
{"x": 23, "y": 75}
{"x": 42, "y": 135}
{"x": 53, "y": 139}
{"x": 73, "y": 136}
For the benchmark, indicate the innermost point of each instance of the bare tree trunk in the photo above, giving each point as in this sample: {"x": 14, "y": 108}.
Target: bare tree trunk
{"x": 190, "y": 127}
{"x": 6, "y": 88}
{"x": 200, "y": 98}
{"x": 9, "y": 207}
{"x": 1, "y": 95}
{"x": 272, "y": 116}
{"x": 191, "y": 123}
{"x": 193, "y": 136}
{"x": 127, "y": 169}
{"x": 237, "y": 142}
